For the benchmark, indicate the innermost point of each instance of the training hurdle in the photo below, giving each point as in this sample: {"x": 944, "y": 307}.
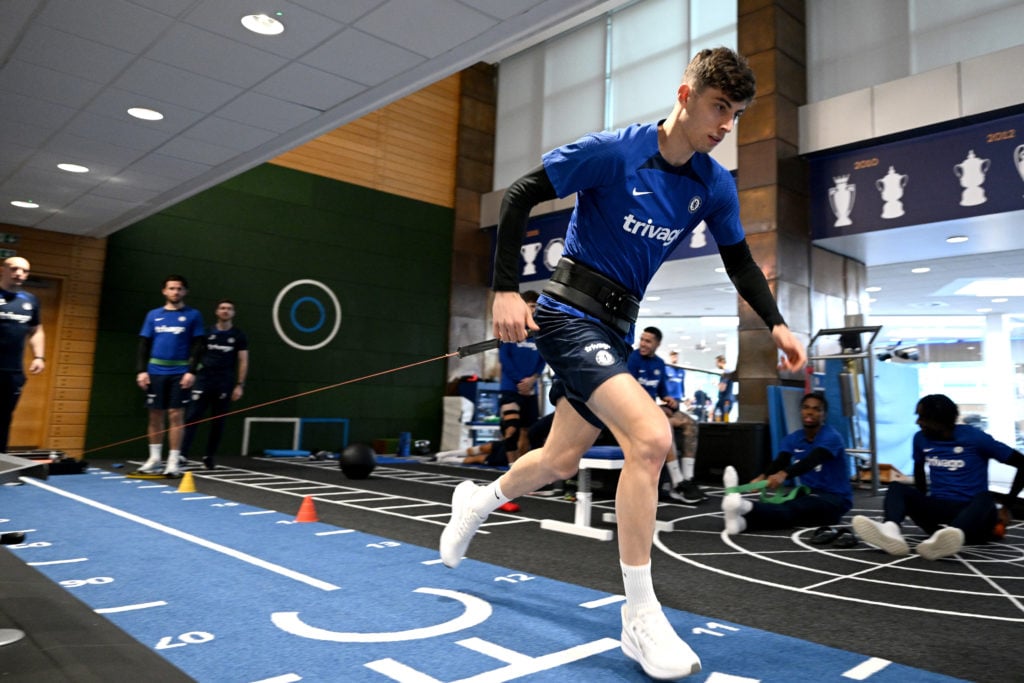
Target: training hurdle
{"x": 297, "y": 423}
{"x": 597, "y": 458}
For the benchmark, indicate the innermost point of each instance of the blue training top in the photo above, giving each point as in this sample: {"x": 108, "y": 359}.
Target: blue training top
{"x": 675, "y": 382}
{"x": 633, "y": 207}
{"x": 172, "y": 333}
{"x": 833, "y": 475}
{"x": 958, "y": 469}
{"x": 19, "y": 314}
{"x": 650, "y": 372}
{"x": 518, "y": 361}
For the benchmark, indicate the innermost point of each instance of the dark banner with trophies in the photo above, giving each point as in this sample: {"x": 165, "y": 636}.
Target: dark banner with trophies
{"x": 970, "y": 171}
{"x": 545, "y": 237}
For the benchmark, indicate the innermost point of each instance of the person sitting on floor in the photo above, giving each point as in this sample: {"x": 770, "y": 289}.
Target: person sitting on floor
{"x": 817, "y": 456}
{"x": 950, "y": 498}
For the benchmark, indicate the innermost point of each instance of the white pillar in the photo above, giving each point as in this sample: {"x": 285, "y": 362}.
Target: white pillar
{"x": 999, "y": 378}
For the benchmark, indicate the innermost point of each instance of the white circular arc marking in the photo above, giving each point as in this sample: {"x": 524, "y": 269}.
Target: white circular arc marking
{"x": 277, "y": 325}
{"x": 477, "y": 611}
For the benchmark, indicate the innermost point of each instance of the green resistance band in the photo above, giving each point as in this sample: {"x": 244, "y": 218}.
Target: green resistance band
{"x": 779, "y": 496}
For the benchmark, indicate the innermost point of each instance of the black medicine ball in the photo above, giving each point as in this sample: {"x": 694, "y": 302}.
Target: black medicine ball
{"x": 357, "y": 461}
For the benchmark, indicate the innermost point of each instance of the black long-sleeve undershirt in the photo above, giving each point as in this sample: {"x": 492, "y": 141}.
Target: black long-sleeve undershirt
{"x": 750, "y": 282}
{"x": 521, "y": 196}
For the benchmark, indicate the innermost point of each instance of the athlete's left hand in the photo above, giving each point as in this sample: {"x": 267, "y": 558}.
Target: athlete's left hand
{"x": 187, "y": 380}
{"x": 794, "y": 354}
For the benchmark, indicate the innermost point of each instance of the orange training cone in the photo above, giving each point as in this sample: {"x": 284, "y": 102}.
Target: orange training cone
{"x": 187, "y": 485}
{"x": 307, "y": 513}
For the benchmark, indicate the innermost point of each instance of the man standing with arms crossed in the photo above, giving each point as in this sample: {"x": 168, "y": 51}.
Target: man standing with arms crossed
{"x": 19, "y": 320}
{"x": 169, "y": 341}
{"x": 639, "y": 191}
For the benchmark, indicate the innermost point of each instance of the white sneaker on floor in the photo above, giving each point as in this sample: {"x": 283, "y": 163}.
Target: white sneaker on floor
{"x": 886, "y": 536}
{"x": 649, "y": 639}
{"x": 943, "y": 543}
{"x": 152, "y": 465}
{"x": 460, "y": 528}
{"x": 172, "y": 469}
{"x": 735, "y": 506}
{"x": 730, "y": 478}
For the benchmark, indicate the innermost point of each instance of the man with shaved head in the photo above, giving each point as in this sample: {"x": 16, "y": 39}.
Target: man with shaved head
{"x": 19, "y": 320}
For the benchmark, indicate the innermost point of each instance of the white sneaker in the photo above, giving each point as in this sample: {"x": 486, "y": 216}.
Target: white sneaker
{"x": 171, "y": 469}
{"x": 460, "y": 528}
{"x": 651, "y": 641}
{"x": 152, "y": 465}
{"x": 735, "y": 506}
{"x": 730, "y": 478}
{"x": 886, "y": 536}
{"x": 943, "y": 543}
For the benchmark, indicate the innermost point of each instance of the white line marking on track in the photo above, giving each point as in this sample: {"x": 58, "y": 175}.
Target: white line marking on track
{"x": 258, "y": 512}
{"x": 610, "y": 600}
{"x": 283, "y": 678}
{"x": 866, "y": 669}
{"x": 200, "y": 498}
{"x": 332, "y": 533}
{"x": 44, "y": 564}
{"x": 230, "y": 552}
{"x": 129, "y": 608}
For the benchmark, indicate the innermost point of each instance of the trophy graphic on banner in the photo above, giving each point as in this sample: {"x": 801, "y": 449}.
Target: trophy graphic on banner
{"x": 891, "y": 186}
{"x": 1018, "y": 160}
{"x": 529, "y": 253}
{"x": 971, "y": 172}
{"x": 841, "y": 197}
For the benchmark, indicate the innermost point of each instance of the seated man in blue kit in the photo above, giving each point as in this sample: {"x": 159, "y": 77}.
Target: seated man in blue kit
{"x": 949, "y": 498}
{"x": 649, "y": 370}
{"x": 816, "y": 456}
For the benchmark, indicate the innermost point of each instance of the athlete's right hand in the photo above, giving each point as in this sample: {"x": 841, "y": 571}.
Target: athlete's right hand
{"x": 512, "y": 318}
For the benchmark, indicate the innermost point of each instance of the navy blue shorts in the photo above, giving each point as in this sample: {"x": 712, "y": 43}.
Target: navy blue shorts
{"x": 165, "y": 392}
{"x": 582, "y": 353}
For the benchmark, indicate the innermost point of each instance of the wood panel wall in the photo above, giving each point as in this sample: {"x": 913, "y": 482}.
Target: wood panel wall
{"x": 407, "y": 148}
{"x": 77, "y": 262}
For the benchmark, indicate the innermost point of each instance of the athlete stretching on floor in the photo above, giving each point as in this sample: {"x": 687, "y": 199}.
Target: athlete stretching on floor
{"x": 639, "y": 191}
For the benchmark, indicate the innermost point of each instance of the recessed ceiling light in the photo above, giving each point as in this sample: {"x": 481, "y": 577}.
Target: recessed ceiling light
{"x": 720, "y": 269}
{"x": 652, "y": 298}
{"x": 262, "y": 24}
{"x": 983, "y": 310}
{"x": 872, "y": 300}
{"x": 73, "y": 168}
{"x": 145, "y": 114}
{"x": 1000, "y": 300}
{"x": 24, "y": 205}
{"x": 957, "y": 239}
{"x": 920, "y": 270}
{"x": 872, "y": 289}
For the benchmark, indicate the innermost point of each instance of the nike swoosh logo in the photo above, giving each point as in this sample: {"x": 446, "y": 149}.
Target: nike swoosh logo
{"x": 927, "y": 450}
{"x": 638, "y": 193}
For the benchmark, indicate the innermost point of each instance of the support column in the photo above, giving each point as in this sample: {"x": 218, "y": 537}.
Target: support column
{"x": 1000, "y": 377}
{"x": 772, "y": 183}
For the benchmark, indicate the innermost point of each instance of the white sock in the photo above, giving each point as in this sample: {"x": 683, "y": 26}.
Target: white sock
{"x": 674, "y": 473}
{"x": 156, "y": 450}
{"x": 487, "y": 498}
{"x": 173, "y": 455}
{"x": 688, "y": 468}
{"x": 639, "y": 588}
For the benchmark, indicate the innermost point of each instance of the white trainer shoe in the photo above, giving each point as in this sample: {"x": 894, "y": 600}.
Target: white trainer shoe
{"x": 460, "y": 528}
{"x": 735, "y": 506}
{"x": 886, "y": 536}
{"x": 171, "y": 469}
{"x": 730, "y": 478}
{"x": 943, "y": 543}
{"x": 649, "y": 639}
{"x": 152, "y": 465}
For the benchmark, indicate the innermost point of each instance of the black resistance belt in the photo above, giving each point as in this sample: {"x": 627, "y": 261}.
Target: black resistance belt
{"x": 594, "y": 294}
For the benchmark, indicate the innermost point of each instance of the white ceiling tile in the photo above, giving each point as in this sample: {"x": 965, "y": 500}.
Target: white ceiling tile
{"x": 231, "y": 134}
{"x": 145, "y": 179}
{"x": 304, "y": 29}
{"x": 189, "y": 90}
{"x": 43, "y": 83}
{"x": 26, "y": 133}
{"x": 166, "y": 167}
{"x": 266, "y": 112}
{"x": 202, "y": 52}
{"x": 309, "y": 87}
{"x": 73, "y": 146}
{"x": 115, "y": 132}
{"x": 117, "y": 188}
{"x": 344, "y": 12}
{"x": 196, "y": 150}
{"x": 122, "y": 24}
{"x": 70, "y": 54}
{"x": 362, "y": 58}
{"x": 172, "y": 8}
{"x": 427, "y": 28}
{"x": 503, "y": 9}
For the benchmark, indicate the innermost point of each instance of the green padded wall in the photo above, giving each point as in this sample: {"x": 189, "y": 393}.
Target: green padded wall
{"x": 252, "y": 239}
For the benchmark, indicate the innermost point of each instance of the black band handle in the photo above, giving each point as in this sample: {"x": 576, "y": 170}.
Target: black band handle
{"x": 478, "y": 347}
